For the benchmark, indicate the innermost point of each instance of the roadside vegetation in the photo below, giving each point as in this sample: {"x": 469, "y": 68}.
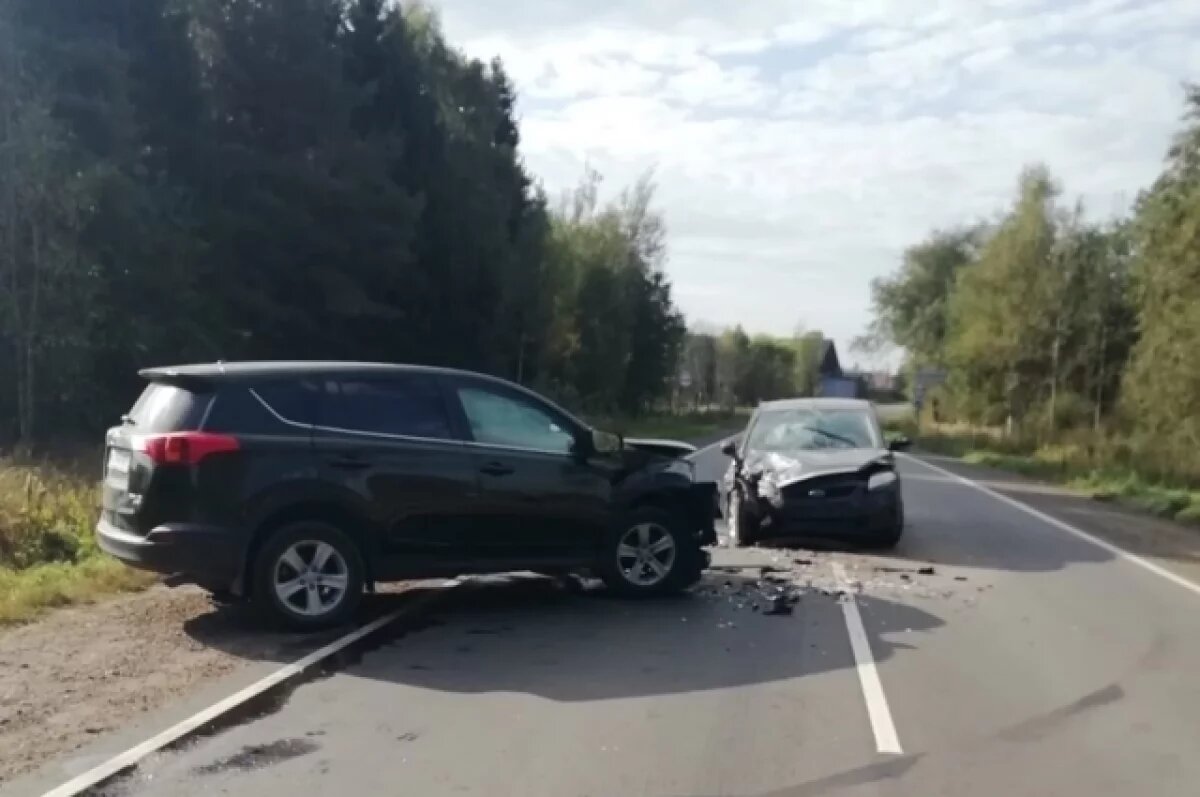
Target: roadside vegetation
{"x": 690, "y": 426}
{"x": 48, "y": 555}
{"x": 1071, "y": 345}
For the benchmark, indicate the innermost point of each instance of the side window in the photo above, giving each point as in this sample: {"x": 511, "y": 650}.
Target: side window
{"x": 295, "y": 401}
{"x": 410, "y": 406}
{"x": 505, "y": 420}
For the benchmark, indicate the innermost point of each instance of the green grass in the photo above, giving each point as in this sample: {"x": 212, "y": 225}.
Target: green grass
{"x": 24, "y": 594}
{"x": 48, "y": 553}
{"x": 1090, "y": 467}
{"x": 690, "y": 426}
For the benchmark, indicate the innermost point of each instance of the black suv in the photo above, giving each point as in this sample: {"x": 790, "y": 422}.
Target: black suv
{"x": 299, "y": 484}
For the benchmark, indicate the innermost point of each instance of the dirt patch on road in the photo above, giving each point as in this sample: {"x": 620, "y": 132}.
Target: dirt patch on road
{"x": 88, "y": 670}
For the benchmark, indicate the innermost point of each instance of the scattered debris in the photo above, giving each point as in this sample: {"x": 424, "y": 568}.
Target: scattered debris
{"x": 804, "y": 562}
{"x": 926, "y": 571}
{"x": 960, "y": 578}
{"x": 779, "y": 606}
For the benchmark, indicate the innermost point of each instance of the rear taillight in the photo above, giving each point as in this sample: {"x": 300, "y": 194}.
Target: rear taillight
{"x": 184, "y": 448}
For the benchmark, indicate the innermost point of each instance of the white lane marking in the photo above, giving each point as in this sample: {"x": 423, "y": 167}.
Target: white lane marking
{"x": 1132, "y": 558}
{"x": 135, "y": 754}
{"x": 886, "y": 738}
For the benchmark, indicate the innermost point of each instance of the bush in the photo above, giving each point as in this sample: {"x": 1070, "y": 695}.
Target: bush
{"x": 46, "y": 515}
{"x": 48, "y": 554}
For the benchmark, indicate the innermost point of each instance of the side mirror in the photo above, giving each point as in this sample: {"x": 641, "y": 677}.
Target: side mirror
{"x": 606, "y": 442}
{"x": 730, "y": 447}
{"x": 899, "y": 443}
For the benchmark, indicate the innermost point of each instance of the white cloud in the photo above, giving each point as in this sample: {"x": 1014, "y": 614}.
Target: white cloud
{"x": 800, "y": 145}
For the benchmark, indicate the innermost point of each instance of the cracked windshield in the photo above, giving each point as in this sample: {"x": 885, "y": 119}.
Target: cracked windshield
{"x": 560, "y": 398}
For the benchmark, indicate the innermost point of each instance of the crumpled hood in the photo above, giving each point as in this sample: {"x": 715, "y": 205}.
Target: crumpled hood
{"x": 793, "y": 466}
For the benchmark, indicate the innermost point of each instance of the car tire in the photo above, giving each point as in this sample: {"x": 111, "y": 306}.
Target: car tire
{"x": 742, "y": 528}
{"x": 649, "y": 553}
{"x": 308, "y": 575}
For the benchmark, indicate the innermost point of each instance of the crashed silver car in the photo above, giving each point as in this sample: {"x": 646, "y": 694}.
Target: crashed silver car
{"x": 813, "y": 468}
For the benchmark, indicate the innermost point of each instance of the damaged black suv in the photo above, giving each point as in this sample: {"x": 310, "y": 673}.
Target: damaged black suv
{"x": 300, "y": 484}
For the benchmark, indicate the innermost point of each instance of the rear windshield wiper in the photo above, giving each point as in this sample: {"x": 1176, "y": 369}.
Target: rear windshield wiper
{"x": 127, "y": 420}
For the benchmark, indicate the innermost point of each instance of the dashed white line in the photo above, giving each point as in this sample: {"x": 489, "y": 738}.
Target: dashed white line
{"x": 886, "y": 739}
{"x": 1132, "y": 558}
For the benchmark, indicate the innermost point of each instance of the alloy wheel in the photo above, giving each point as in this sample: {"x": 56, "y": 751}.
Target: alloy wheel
{"x": 646, "y": 554}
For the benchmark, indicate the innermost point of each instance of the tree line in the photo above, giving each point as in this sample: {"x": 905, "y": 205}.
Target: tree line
{"x": 1049, "y": 323}
{"x": 734, "y": 369}
{"x": 192, "y": 180}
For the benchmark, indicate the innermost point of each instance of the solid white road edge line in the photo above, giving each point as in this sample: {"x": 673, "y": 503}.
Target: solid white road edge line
{"x": 1132, "y": 558}
{"x": 886, "y": 739}
{"x": 135, "y": 754}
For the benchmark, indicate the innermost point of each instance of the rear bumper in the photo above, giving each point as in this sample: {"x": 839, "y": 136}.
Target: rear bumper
{"x": 211, "y": 555}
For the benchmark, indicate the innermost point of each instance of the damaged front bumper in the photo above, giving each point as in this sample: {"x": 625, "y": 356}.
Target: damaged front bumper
{"x": 813, "y": 508}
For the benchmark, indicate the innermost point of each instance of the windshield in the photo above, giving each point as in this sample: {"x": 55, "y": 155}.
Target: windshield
{"x": 808, "y": 429}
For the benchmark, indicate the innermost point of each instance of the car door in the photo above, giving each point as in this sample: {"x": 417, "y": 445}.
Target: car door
{"x": 538, "y": 499}
{"x": 391, "y": 440}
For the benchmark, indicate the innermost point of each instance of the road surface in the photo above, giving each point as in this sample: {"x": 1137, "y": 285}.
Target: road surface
{"x": 1032, "y": 661}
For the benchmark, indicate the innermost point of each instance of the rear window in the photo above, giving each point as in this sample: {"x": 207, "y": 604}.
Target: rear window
{"x": 410, "y": 406}
{"x": 169, "y": 408}
{"x": 295, "y": 401}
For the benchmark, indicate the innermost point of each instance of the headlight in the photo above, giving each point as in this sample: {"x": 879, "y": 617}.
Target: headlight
{"x": 885, "y": 478}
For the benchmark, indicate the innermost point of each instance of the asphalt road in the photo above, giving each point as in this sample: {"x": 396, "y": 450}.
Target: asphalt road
{"x": 1030, "y": 662}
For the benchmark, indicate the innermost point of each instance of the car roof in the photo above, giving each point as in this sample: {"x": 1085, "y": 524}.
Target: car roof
{"x": 276, "y": 369}
{"x": 816, "y": 404}
{"x": 262, "y": 370}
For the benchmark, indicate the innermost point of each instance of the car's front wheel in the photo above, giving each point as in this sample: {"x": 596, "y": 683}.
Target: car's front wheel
{"x": 309, "y": 575}
{"x": 650, "y": 554}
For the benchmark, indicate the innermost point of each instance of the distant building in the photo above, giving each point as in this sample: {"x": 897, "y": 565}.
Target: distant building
{"x": 832, "y": 381}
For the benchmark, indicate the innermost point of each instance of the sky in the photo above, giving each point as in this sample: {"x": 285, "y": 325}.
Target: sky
{"x": 800, "y": 146}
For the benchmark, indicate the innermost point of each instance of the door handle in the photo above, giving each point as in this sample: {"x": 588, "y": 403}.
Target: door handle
{"x": 350, "y": 462}
{"x": 496, "y": 469}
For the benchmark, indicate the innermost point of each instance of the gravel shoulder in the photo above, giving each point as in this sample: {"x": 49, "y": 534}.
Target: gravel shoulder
{"x": 82, "y": 672}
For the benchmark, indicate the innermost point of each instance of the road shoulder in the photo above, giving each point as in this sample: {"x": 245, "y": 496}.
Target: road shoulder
{"x": 1168, "y": 544}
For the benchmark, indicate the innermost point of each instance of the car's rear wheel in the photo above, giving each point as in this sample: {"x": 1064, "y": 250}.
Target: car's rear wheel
{"x": 743, "y": 529}
{"x": 309, "y": 575}
{"x": 650, "y": 554}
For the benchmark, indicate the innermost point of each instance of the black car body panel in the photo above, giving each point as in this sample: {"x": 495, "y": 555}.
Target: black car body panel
{"x": 414, "y": 462}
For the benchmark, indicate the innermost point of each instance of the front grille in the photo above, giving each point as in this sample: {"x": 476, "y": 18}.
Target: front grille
{"x": 822, "y": 489}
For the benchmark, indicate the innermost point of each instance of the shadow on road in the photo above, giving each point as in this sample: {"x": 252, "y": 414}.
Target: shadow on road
{"x": 533, "y": 636}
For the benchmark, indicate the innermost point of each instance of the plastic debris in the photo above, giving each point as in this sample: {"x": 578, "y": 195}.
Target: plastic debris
{"x": 926, "y": 571}
{"x": 779, "y": 607}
